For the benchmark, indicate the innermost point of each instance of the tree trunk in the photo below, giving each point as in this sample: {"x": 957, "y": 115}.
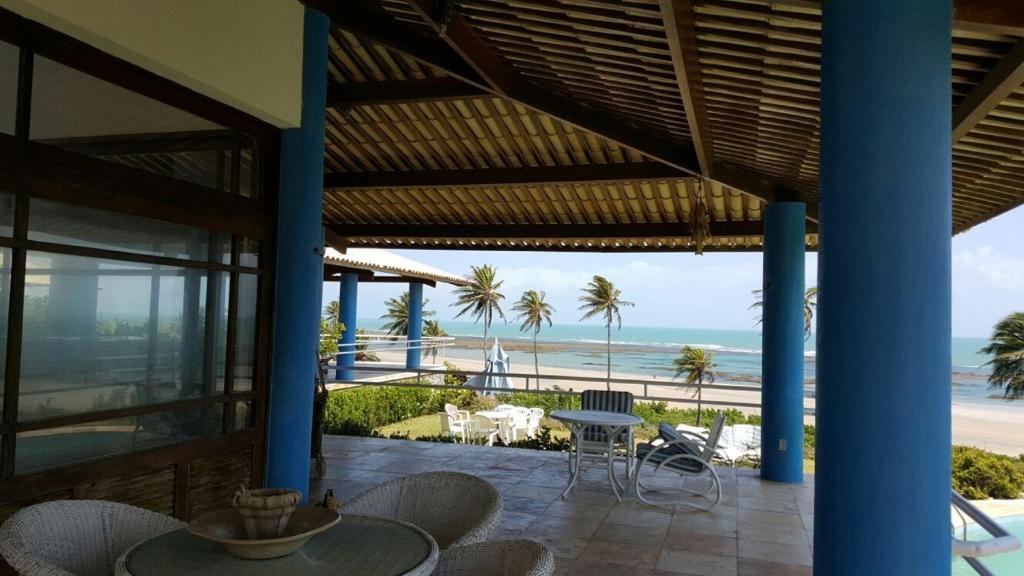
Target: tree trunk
{"x": 536, "y": 364}
{"x": 700, "y": 397}
{"x": 608, "y": 383}
{"x": 487, "y": 322}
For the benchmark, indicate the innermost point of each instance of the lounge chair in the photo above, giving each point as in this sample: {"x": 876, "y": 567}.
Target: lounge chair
{"x": 456, "y": 509}
{"x": 67, "y": 537}
{"x": 739, "y": 443}
{"x": 684, "y": 453}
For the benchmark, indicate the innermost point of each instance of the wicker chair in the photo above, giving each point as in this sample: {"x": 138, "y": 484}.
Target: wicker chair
{"x": 77, "y": 537}
{"x": 497, "y": 558}
{"x": 456, "y": 509}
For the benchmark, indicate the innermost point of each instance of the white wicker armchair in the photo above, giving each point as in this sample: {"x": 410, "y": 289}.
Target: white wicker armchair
{"x": 456, "y": 509}
{"x": 497, "y": 558}
{"x": 77, "y": 537}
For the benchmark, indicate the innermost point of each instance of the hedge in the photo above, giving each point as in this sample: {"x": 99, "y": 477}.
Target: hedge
{"x": 980, "y": 474}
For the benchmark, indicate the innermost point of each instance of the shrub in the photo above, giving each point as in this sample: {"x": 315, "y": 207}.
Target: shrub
{"x": 542, "y": 441}
{"x": 549, "y": 402}
{"x": 980, "y": 474}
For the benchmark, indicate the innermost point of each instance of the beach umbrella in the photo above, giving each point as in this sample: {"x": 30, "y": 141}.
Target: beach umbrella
{"x": 497, "y": 369}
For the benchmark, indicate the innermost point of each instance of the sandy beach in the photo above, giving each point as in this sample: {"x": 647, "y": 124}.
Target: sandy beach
{"x": 993, "y": 426}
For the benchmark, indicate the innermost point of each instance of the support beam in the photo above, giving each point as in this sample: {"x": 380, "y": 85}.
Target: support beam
{"x": 299, "y": 273}
{"x": 401, "y": 92}
{"x": 990, "y": 16}
{"x": 996, "y": 86}
{"x": 782, "y": 356}
{"x": 677, "y": 16}
{"x": 883, "y": 355}
{"x": 530, "y": 176}
{"x": 560, "y": 231}
{"x": 402, "y": 280}
{"x": 414, "y": 352}
{"x": 348, "y": 295}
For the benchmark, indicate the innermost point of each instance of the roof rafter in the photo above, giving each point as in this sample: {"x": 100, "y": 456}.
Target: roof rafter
{"x": 529, "y": 176}
{"x": 401, "y": 92}
{"x": 994, "y": 16}
{"x": 677, "y": 16}
{"x": 996, "y": 86}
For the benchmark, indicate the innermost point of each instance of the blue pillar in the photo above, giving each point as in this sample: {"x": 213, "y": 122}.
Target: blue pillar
{"x": 882, "y": 487}
{"x": 782, "y": 381}
{"x": 299, "y": 274}
{"x": 414, "y": 353}
{"x": 347, "y": 298}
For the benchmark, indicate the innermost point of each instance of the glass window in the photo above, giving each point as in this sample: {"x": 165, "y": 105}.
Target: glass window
{"x": 5, "y": 299}
{"x": 61, "y": 223}
{"x": 249, "y": 252}
{"x": 9, "y": 55}
{"x": 6, "y": 214}
{"x": 102, "y": 335}
{"x": 74, "y": 110}
{"x": 243, "y": 415}
{"x": 248, "y": 169}
{"x": 41, "y": 449}
{"x": 245, "y": 334}
{"x": 217, "y": 300}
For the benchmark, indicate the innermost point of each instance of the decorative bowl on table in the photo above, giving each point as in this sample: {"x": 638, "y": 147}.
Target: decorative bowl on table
{"x": 266, "y": 510}
{"x": 227, "y": 528}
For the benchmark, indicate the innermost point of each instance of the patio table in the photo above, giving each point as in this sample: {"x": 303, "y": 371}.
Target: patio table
{"x": 503, "y": 421}
{"x": 612, "y": 422}
{"x": 355, "y": 546}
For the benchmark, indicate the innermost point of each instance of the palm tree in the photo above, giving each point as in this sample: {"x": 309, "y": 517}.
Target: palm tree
{"x": 332, "y": 312}
{"x": 810, "y": 304}
{"x": 432, "y": 329}
{"x": 397, "y": 314}
{"x": 1007, "y": 348}
{"x": 533, "y": 311}
{"x": 602, "y": 297}
{"x": 481, "y": 297}
{"x": 698, "y": 365}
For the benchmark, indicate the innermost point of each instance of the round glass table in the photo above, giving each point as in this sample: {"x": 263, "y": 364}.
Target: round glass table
{"x": 612, "y": 423}
{"x": 356, "y": 546}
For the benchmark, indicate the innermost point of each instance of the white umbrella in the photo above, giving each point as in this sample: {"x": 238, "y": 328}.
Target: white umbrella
{"x": 496, "y": 369}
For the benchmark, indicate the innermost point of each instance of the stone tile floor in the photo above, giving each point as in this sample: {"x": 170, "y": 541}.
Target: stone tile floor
{"x": 759, "y": 529}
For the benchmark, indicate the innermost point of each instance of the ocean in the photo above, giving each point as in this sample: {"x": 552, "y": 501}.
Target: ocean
{"x": 650, "y": 351}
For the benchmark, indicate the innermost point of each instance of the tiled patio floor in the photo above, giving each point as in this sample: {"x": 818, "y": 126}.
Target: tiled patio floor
{"x": 759, "y": 529}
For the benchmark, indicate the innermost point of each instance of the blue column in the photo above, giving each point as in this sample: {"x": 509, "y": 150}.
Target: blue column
{"x": 882, "y": 487}
{"x": 299, "y": 274}
{"x": 782, "y": 369}
{"x": 347, "y": 298}
{"x": 414, "y": 353}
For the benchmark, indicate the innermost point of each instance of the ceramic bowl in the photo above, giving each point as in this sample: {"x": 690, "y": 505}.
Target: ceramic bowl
{"x": 227, "y": 528}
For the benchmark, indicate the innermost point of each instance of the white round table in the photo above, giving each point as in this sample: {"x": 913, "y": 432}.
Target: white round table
{"x": 613, "y": 423}
{"x": 356, "y": 545}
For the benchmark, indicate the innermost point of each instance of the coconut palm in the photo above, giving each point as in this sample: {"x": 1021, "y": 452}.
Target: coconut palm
{"x": 533, "y": 311}
{"x": 698, "y": 365}
{"x": 332, "y": 312}
{"x": 601, "y": 297}
{"x": 810, "y": 304}
{"x": 481, "y": 297}
{"x": 432, "y": 329}
{"x": 1007, "y": 349}
{"x": 397, "y": 314}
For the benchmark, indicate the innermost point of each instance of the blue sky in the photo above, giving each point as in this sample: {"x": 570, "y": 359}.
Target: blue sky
{"x": 713, "y": 291}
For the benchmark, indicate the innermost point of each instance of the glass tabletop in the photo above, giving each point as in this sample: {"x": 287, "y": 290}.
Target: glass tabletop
{"x": 596, "y": 418}
{"x": 356, "y": 546}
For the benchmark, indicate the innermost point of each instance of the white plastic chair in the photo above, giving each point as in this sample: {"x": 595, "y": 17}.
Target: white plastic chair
{"x": 533, "y": 421}
{"x": 505, "y": 408}
{"x": 456, "y": 423}
{"x": 485, "y": 429}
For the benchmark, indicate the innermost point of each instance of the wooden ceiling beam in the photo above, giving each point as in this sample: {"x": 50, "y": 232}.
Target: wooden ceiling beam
{"x": 677, "y": 16}
{"x": 996, "y": 86}
{"x": 991, "y": 16}
{"x": 530, "y": 176}
{"x": 401, "y": 92}
{"x": 546, "y": 231}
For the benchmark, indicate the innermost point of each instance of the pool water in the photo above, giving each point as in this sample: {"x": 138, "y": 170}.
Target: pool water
{"x": 1011, "y": 564}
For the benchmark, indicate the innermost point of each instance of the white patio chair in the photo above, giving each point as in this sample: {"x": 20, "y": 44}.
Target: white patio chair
{"x": 684, "y": 453}
{"x": 486, "y": 429}
{"x": 518, "y": 422}
{"x": 505, "y": 408}
{"x": 456, "y": 509}
{"x": 456, "y": 423}
{"x": 533, "y": 421}
{"x": 77, "y": 537}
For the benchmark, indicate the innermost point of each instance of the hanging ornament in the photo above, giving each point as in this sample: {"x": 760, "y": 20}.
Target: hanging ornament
{"x": 700, "y": 220}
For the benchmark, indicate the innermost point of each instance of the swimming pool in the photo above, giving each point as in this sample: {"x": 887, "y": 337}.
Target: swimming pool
{"x": 1003, "y": 564}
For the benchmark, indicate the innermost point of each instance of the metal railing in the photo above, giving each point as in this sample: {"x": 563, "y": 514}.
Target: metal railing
{"x": 644, "y": 387}
{"x": 1001, "y": 541}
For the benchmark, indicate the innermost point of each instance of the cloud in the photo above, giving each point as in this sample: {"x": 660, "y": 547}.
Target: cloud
{"x": 991, "y": 266}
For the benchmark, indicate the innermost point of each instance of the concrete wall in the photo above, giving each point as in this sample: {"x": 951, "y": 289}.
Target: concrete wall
{"x": 244, "y": 53}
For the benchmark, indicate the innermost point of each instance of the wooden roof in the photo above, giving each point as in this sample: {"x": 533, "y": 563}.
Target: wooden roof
{"x": 585, "y": 124}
